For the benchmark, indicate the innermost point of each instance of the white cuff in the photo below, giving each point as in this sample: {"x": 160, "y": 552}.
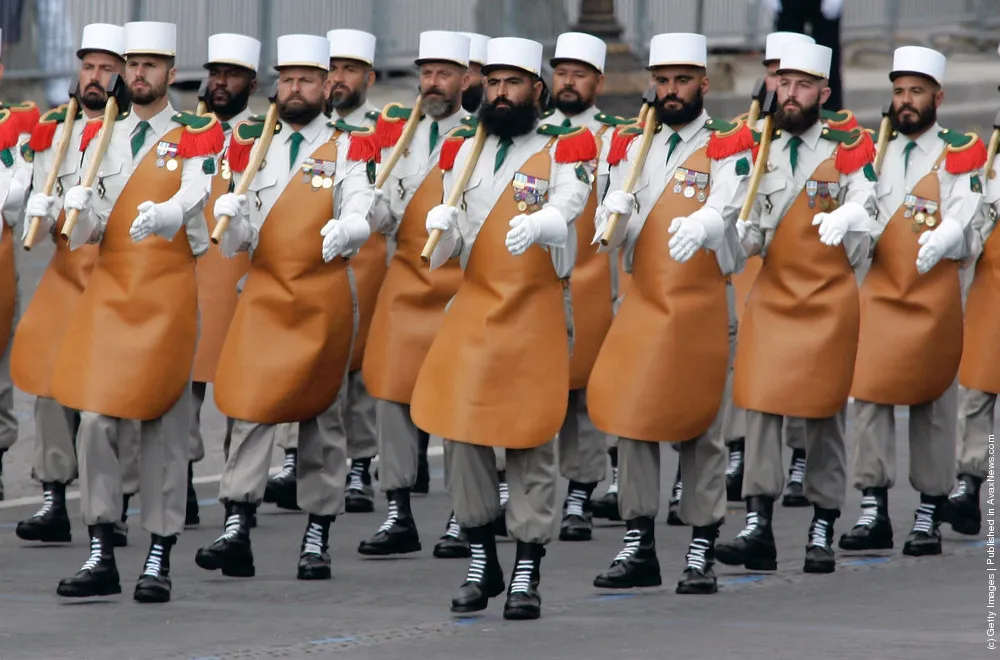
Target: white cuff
{"x": 169, "y": 219}
{"x": 715, "y": 226}
{"x": 953, "y": 236}
{"x": 552, "y": 228}
{"x": 857, "y": 217}
{"x": 358, "y": 230}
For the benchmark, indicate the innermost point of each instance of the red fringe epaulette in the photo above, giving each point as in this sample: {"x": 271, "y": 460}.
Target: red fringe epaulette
{"x": 90, "y": 131}
{"x": 848, "y": 123}
{"x": 754, "y": 150}
{"x": 724, "y": 145}
{"x": 580, "y": 146}
{"x": 42, "y": 135}
{"x": 619, "y": 146}
{"x": 388, "y": 131}
{"x": 238, "y": 155}
{"x": 25, "y": 117}
{"x": 961, "y": 160}
{"x": 202, "y": 142}
{"x": 364, "y": 147}
{"x": 852, "y": 157}
{"x": 449, "y": 152}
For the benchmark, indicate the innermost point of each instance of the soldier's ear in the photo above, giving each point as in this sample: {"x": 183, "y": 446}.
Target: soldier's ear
{"x": 600, "y": 85}
{"x": 824, "y": 94}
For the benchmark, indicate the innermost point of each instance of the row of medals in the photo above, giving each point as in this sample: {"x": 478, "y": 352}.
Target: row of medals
{"x": 529, "y": 191}
{"x": 165, "y": 155}
{"x": 827, "y": 191}
{"x": 318, "y": 173}
{"x": 685, "y": 181}
{"x": 921, "y": 210}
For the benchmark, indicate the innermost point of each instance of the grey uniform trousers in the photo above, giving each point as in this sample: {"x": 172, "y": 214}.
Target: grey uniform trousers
{"x": 582, "y": 447}
{"x": 932, "y": 433}
{"x": 8, "y": 421}
{"x": 975, "y": 426}
{"x": 398, "y": 445}
{"x": 197, "y": 446}
{"x": 162, "y": 458}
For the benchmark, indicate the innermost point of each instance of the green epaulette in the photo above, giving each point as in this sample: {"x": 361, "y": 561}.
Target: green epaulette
{"x": 846, "y": 138}
{"x": 613, "y": 120}
{"x": 462, "y": 132}
{"x": 721, "y": 126}
{"x": 393, "y": 111}
{"x": 58, "y": 115}
{"x": 547, "y": 113}
{"x": 956, "y": 139}
{"x": 832, "y": 115}
{"x": 559, "y": 131}
{"x": 342, "y": 125}
{"x": 636, "y": 129}
{"x": 470, "y": 120}
{"x": 253, "y": 128}
{"x": 372, "y": 115}
{"x": 193, "y": 121}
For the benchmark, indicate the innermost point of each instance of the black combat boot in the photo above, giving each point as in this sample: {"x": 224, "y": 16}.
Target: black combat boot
{"x": 606, "y": 506}
{"x": 873, "y": 531}
{"x": 962, "y": 509}
{"x": 577, "y": 523}
{"x": 120, "y": 537}
{"x": 500, "y": 524}
{"x": 359, "y": 496}
{"x": 51, "y": 523}
{"x": 734, "y": 471}
{"x": 523, "y": 600}
{"x": 154, "y": 583}
{"x": 454, "y": 543}
{"x": 423, "y": 483}
{"x": 636, "y": 565}
{"x": 925, "y": 537}
{"x": 794, "y": 492}
{"x": 191, "y": 517}
{"x": 99, "y": 574}
{"x": 485, "y": 577}
{"x": 314, "y": 558}
{"x": 674, "y": 506}
{"x": 281, "y": 488}
{"x": 231, "y": 552}
{"x": 698, "y": 577}
{"x": 398, "y": 534}
{"x": 819, "y": 551}
{"x": 753, "y": 548}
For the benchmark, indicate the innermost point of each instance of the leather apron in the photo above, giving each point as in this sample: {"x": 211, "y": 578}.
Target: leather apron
{"x": 980, "y": 366}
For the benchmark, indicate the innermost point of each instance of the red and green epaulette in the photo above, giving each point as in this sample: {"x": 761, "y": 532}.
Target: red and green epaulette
{"x": 202, "y": 136}
{"x": 965, "y": 152}
{"x": 855, "y": 150}
{"x": 621, "y": 140}
{"x": 390, "y": 123}
{"x": 364, "y": 145}
{"x": 16, "y": 120}
{"x": 574, "y": 144}
{"x": 93, "y": 127}
{"x": 840, "y": 121}
{"x": 453, "y": 142}
{"x": 45, "y": 130}
{"x": 244, "y": 135}
{"x": 728, "y": 138}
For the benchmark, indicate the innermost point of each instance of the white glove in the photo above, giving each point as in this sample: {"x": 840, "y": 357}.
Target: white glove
{"x": 381, "y": 215}
{"x": 945, "y": 241}
{"x": 42, "y": 207}
{"x": 546, "y": 226}
{"x": 834, "y": 226}
{"x": 78, "y": 198}
{"x": 233, "y": 206}
{"x": 741, "y": 230}
{"x": 619, "y": 202}
{"x": 442, "y": 217}
{"x": 689, "y": 236}
{"x": 163, "y": 219}
{"x": 831, "y": 9}
{"x": 341, "y": 237}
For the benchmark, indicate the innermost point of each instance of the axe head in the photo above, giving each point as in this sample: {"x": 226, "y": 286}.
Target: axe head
{"x": 996, "y": 121}
{"x": 118, "y": 90}
{"x": 769, "y": 104}
{"x": 74, "y": 88}
{"x": 887, "y": 108}
{"x": 272, "y": 95}
{"x": 759, "y": 89}
{"x": 203, "y": 90}
{"x": 649, "y": 96}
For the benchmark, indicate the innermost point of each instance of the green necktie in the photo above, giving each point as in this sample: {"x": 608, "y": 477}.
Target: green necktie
{"x": 139, "y": 137}
{"x": 567, "y": 123}
{"x": 501, "y": 153}
{"x": 793, "y": 149}
{"x": 293, "y": 151}
{"x": 434, "y": 135}
{"x": 675, "y": 139}
{"x": 906, "y": 155}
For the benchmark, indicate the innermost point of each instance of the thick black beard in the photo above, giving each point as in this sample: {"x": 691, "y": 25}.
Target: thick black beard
{"x": 233, "y": 106}
{"x": 925, "y": 119}
{"x": 519, "y": 119}
{"x": 571, "y": 107}
{"x": 93, "y": 97}
{"x": 346, "y": 102}
{"x": 797, "y": 124}
{"x": 685, "y": 115}
{"x": 146, "y": 98}
{"x": 300, "y": 115}
{"x": 472, "y": 98}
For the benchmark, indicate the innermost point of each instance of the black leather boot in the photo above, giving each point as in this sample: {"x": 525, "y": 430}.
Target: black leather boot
{"x": 734, "y": 471}
{"x": 50, "y": 524}
{"x": 314, "y": 558}
{"x": 423, "y": 483}
{"x": 962, "y": 509}
{"x": 500, "y": 524}
{"x": 523, "y": 600}
{"x": 281, "y": 488}
{"x": 699, "y": 576}
{"x": 120, "y": 536}
{"x": 753, "y": 548}
{"x": 191, "y": 517}
{"x": 154, "y": 583}
{"x": 485, "y": 577}
{"x": 873, "y": 531}
{"x": 636, "y": 565}
{"x": 99, "y": 574}
{"x": 794, "y": 493}
{"x": 606, "y": 506}
{"x": 674, "y": 506}
{"x": 231, "y": 552}
{"x": 820, "y": 557}
{"x": 454, "y": 543}
{"x": 398, "y": 534}
{"x": 925, "y": 537}
{"x": 359, "y": 496}
{"x": 577, "y": 523}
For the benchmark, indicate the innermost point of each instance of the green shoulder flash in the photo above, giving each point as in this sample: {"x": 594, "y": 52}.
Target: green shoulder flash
{"x": 208, "y": 166}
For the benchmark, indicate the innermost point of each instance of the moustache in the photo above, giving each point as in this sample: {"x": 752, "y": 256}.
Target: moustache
{"x": 568, "y": 90}
{"x": 907, "y": 106}
{"x": 95, "y": 86}
{"x": 792, "y": 103}
{"x": 502, "y": 100}
{"x": 672, "y": 98}
{"x": 434, "y": 91}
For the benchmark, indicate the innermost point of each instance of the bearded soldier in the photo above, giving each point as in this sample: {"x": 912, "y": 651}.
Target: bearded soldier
{"x": 129, "y": 346}
{"x": 929, "y": 194}
{"x": 497, "y": 373}
{"x": 472, "y": 97}
{"x": 288, "y": 346}
{"x": 797, "y": 343}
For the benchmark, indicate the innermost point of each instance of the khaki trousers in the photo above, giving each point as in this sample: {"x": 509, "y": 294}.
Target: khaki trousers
{"x": 8, "y": 421}
{"x": 932, "y": 432}
{"x": 103, "y": 443}
{"x": 582, "y": 447}
{"x": 975, "y": 426}
{"x": 398, "y": 445}
{"x": 197, "y": 447}
{"x": 55, "y": 431}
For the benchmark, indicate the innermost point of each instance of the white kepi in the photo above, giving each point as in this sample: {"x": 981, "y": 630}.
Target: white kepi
{"x": 513, "y": 53}
{"x": 441, "y": 46}
{"x": 236, "y": 49}
{"x": 303, "y": 50}
{"x": 678, "y": 49}
{"x": 352, "y": 45}
{"x": 150, "y": 38}
{"x": 580, "y": 47}
{"x": 811, "y": 59}
{"x": 103, "y": 37}
{"x": 776, "y": 42}
{"x": 477, "y": 47}
{"x": 909, "y": 60}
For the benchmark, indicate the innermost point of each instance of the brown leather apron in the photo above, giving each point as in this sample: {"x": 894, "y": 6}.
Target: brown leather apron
{"x": 661, "y": 372}
{"x": 43, "y": 324}
{"x": 980, "y": 366}
{"x": 411, "y": 303}
{"x": 590, "y": 287}
{"x": 497, "y": 374}
{"x": 743, "y": 282}
{"x": 370, "y": 268}
{"x": 8, "y": 273}
{"x": 289, "y": 342}
{"x": 799, "y": 337}
{"x": 128, "y": 348}
{"x": 217, "y": 278}
{"x": 910, "y": 343}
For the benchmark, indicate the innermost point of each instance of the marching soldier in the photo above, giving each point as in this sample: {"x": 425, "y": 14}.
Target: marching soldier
{"x": 472, "y": 97}
{"x": 41, "y": 329}
{"x": 797, "y": 343}
{"x": 289, "y": 344}
{"x": 232, "y": 78}
{"x": 129, "y": 346}
{"x": 677, "y": 314}
{"x": 497, "y": 373}
{"x": 412, "y": 300}
{"x": 929, "y": 194}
